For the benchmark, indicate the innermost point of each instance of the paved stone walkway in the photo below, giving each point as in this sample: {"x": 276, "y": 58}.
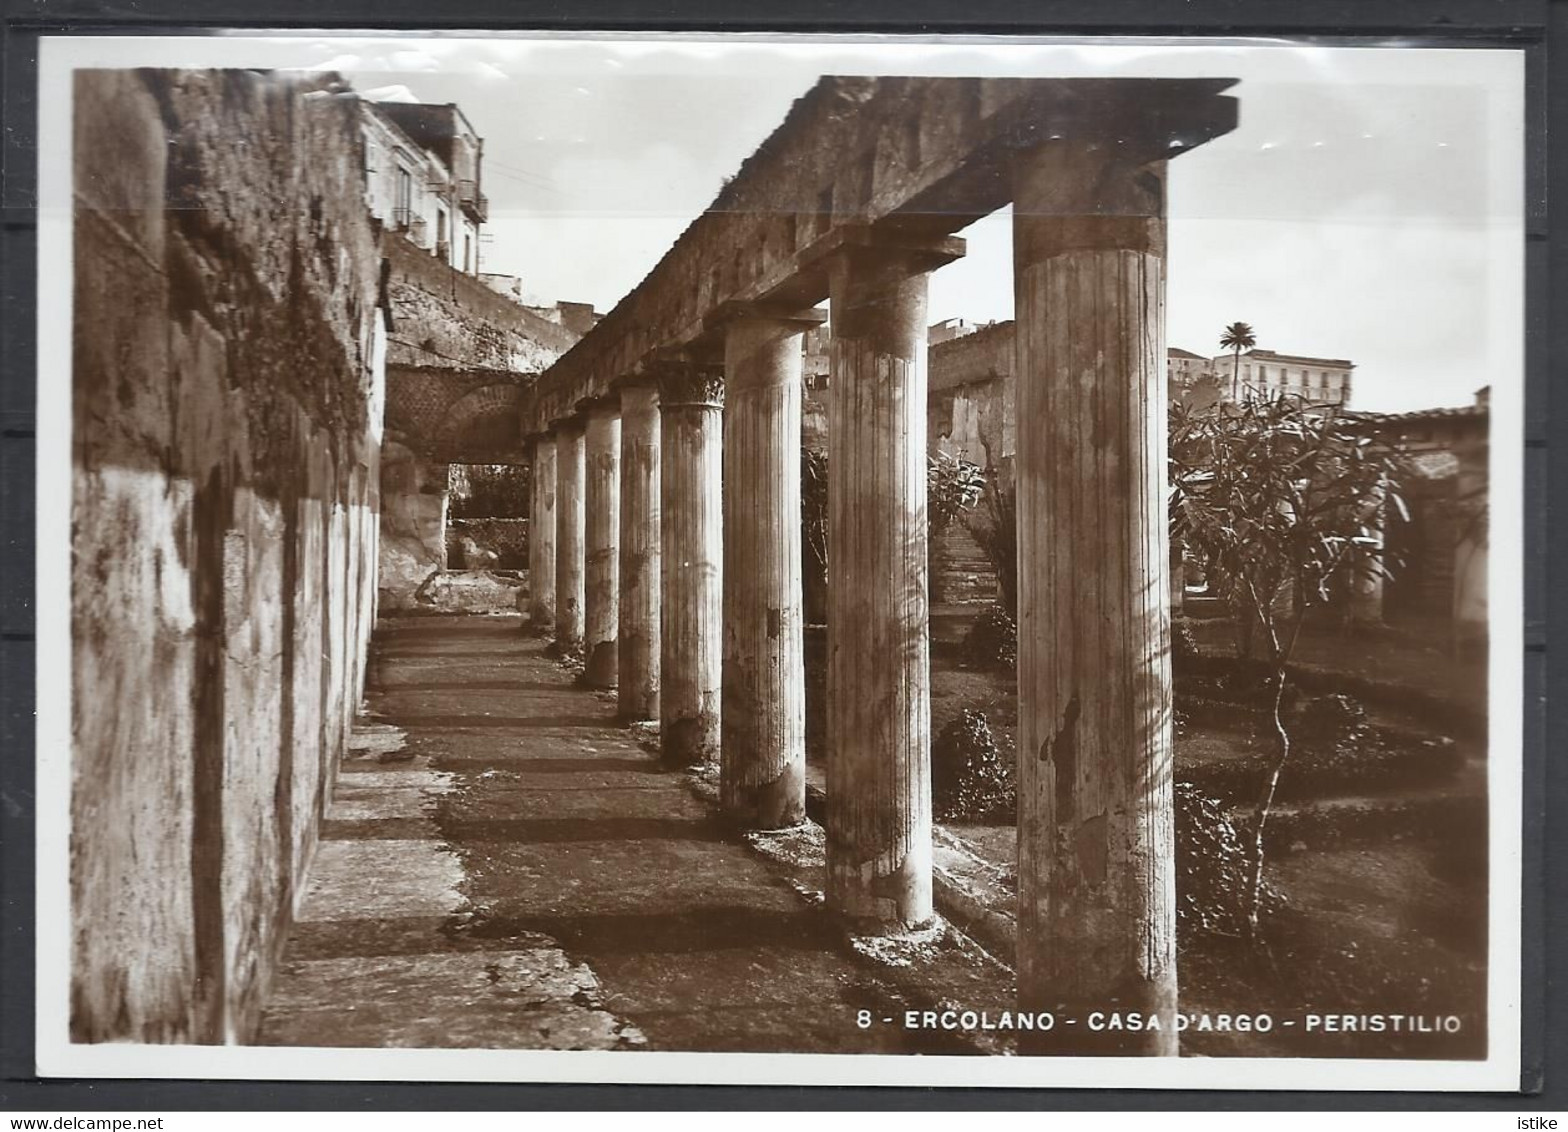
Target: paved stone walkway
{"x": 503, "y": 866}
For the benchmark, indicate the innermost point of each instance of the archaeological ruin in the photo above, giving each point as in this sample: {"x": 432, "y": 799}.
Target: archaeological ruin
{"x": 275, "y": 370}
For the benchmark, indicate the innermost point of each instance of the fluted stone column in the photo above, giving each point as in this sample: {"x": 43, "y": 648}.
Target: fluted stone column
{"x": 762, "y": 765}
{"x": 638, "y": 638}
{"x": 879, "y": 705}
{"x": 541, "y": 538}
{"x": 569, "y": 552}
{"x": 691, "y": 561}
{"x": 602, "y": 524}
{"x": 1096, "y": 843}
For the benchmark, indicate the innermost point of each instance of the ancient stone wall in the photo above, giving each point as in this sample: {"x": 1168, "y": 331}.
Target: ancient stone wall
{"x": 413, "y": 526}
{"x": 969, "y": 404}
{"x": 441, "y": 317}
{"x": 228, "y": 358}
{"x": 460, "y": 358}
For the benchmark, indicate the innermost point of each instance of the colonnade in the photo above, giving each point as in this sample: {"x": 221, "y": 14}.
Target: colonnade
{"x": 697, "y": 452}
{"x": 674, "y": 530}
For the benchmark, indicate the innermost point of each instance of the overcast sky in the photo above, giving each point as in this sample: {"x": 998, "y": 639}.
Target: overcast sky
{"x": 1368, "y": 206}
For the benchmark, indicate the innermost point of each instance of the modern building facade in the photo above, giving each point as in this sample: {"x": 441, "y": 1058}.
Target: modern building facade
{"x": 1318, "y": 381}
{"x": 423, "y": 165}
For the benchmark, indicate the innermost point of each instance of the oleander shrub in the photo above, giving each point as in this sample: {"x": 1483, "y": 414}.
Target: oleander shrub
{"x": 953, "y": 486}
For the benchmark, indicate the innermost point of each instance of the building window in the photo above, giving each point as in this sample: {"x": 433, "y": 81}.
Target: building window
{"x": 467, "y": 253}
{"x": 403, "y": 202}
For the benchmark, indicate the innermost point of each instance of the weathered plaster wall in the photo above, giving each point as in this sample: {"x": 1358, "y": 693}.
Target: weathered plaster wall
{"x": 413, "y": 526}
{"x": 228, "y": 352}
{"x": 969, "y": 403}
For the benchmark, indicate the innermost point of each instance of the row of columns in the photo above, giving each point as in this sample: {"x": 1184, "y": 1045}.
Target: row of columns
{"x": 699, "y": 501}
{"x": 677, "y": 570}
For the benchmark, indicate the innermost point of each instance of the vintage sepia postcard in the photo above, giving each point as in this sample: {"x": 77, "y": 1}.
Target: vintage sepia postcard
{"x": 748, "y": 559}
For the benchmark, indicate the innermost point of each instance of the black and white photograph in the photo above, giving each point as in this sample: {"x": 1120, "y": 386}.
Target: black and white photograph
{"x": 780, "y": 559}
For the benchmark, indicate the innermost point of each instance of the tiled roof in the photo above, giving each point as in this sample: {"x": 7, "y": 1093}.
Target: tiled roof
{"x": 1416, "y": 416}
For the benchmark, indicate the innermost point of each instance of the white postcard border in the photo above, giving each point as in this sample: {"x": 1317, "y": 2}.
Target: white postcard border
{"x": 57, "y": 1056}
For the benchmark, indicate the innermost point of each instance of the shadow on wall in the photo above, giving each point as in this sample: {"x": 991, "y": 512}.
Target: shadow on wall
{"x": 228, "y": 348}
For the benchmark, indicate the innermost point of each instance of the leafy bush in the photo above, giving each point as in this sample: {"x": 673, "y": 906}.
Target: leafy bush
{"x": 992, "y": 640}
{"x": 971, "y": 776}
{"x": 953, "y": 486}
{"x": 1213, "y": 867}
{"x": 1184, "y": 643}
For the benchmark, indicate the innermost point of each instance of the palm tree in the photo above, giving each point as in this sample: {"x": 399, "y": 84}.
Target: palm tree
{"x": 1238, "y": 336}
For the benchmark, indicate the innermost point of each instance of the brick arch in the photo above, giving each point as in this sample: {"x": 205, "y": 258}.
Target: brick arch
{"x": 456, "y": 415}
{"x": 483, "y": 426}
